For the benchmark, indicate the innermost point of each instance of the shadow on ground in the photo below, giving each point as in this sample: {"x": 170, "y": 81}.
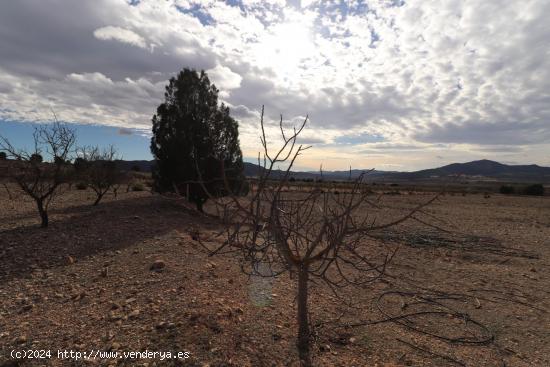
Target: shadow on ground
{"x": 89, "y": 230}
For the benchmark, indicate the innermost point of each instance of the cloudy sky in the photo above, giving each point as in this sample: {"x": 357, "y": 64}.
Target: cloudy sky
{"x": 390, "y": 84}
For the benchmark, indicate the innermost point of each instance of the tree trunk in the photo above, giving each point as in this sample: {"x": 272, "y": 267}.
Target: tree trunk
{"x": 43, "y": 213}
{"x": 98, "y": 199}
{"x": 8, "y": 190}
{"x": 303, "y": 320}
{"x": 199, "y": 204}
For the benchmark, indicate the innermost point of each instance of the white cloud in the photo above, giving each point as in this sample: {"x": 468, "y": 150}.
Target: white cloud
{"x": 263, "y": 2}
{"x": 465, "y": 73}
{"x": 86, "y": 98}
{"x": 121, "y": 35}
{"x": 224, "y": 78}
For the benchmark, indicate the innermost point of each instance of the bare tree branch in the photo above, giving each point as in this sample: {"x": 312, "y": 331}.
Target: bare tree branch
{"x": 315, "y": 234}
{"x": 40, "y": 179}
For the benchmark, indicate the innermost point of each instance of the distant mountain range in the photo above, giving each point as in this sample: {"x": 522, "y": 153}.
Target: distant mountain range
{"x": 251, "y": 170}
{"x": 143, "y": 166}
{"x": 477, "y": 170}
{"x": 482, "y": 169}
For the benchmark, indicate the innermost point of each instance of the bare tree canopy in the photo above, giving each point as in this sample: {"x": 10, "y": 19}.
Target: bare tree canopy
{"x": 316, "y": 235}
{"x": 97, "y": 168}
{"x": 40, "y": 171}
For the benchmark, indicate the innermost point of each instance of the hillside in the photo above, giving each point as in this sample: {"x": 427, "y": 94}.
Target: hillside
{"x": 481, "y": 169}
{"x": 142, "y": 165}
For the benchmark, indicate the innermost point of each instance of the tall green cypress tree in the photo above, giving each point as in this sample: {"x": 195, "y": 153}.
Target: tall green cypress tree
{"x": 192, "y": 135}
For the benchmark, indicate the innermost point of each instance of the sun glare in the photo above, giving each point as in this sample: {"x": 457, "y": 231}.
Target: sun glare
{"x": 287, "y": 47}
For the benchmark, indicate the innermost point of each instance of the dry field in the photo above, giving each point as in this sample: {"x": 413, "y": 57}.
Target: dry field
{"x": 85, "y": 284}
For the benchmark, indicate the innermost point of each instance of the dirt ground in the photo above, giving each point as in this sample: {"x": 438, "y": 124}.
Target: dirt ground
{"x": 476, "y": 294}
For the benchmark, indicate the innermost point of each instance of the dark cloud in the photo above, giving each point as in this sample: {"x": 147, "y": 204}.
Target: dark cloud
{"x": 501, "y": 149}
{"x": 361, "y": 138}
{"x": 241, "y": 111}
{"x": 311, "y": 141}
{"x": 388, "y": 148}
{"x": 51, "y": 39}
{"x": 123, "y": 131}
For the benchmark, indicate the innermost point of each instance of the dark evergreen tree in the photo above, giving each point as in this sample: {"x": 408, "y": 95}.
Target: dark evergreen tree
{"x": 195, "y": 141}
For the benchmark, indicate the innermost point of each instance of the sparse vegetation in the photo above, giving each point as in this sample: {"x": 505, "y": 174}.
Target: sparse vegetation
{"x": 206, "y": 303}
{"x": 414, "y": 233}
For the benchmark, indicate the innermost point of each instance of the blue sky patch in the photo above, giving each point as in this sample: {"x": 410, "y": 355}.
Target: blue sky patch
{"x": 130, "y": 143}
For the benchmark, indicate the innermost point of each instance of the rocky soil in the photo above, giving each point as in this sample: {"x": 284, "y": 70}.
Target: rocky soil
{"x": 129, "y": 275}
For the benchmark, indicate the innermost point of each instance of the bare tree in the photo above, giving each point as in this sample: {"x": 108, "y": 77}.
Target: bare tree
{"x": 98, "y": 169}
{"x": 41, "y": 180}
{"x": 5, "y": 166}
{"x": 314, "y": 234}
